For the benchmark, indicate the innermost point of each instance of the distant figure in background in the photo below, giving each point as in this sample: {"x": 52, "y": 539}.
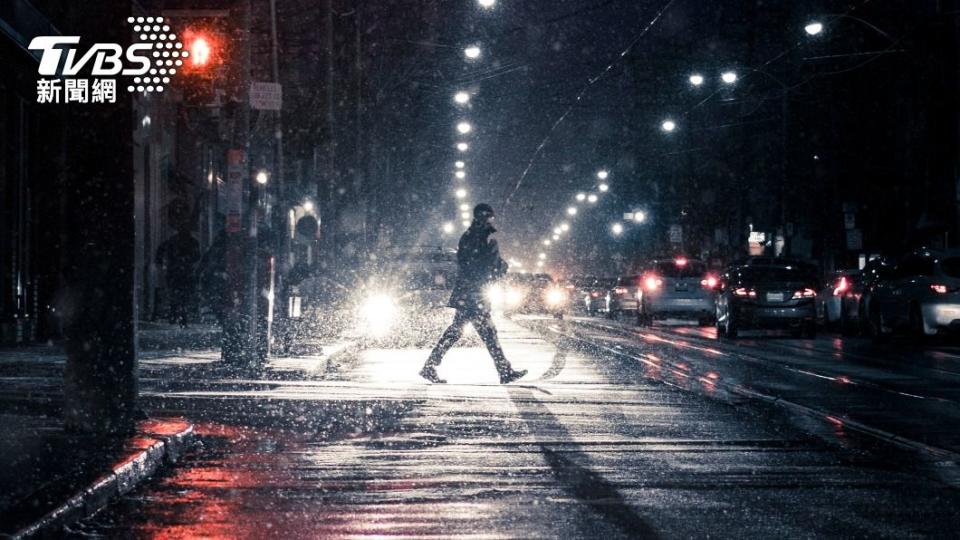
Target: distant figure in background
{"x": 177, "y": 258}
{"x": 479, "y": 263}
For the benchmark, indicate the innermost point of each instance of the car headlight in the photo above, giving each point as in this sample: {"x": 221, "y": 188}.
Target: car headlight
{"x": 495, "y": 295}
{"x": 555, "y": 297}
{"x": 514, "y": 297}
{"x": 378, "y": 313}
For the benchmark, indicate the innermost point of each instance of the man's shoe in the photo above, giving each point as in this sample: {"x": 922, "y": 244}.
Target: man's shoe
{"x": 430, "y": 374}
{"x": 512, "y": 376}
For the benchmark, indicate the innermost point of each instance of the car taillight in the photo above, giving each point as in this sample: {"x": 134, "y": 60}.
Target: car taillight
{"x": 595, "y": 294}
{"x": 940, "y": 289}
{"x": 680, "y": 261}
{"x": 709, "y": 282}
{"x": 652, "y": 283}
{"x": 744, "y": 292}
{"x": 842, "y": 286}
{"x": 804, "y": 293}
{"x": 620, "y": 290}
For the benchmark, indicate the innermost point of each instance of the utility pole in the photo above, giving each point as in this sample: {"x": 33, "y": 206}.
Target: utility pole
{"x": 330, "y": 174}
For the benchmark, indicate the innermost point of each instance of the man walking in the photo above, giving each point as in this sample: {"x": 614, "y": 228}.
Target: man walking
{"x": 479, "y": 263}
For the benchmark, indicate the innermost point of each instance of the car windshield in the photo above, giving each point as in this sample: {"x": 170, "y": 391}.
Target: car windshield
{"x": 671, "y": 269}
{"x": 951, "y": 266}
{"x": 759, "y": 274}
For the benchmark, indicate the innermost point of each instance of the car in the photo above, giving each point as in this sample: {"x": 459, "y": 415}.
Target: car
{"x": 919, "y": 296}
{"x": 595, "y": 295}
{"x": 623, "y": 297}
{"x": 830, "y": 298}
{"x": 859, "y": 293}
{"x": 529, "y": 293}
{"x": 770, "y": 295}
{"x": 677, "y": 287}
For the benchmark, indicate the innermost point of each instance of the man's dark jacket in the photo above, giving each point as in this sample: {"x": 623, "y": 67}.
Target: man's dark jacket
{"x": 479, "y": 263}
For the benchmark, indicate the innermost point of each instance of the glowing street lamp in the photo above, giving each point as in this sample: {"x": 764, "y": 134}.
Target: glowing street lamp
{"x": 461, "y": 193}
{"x": 262, "y": 177}
{"x": 728, "y": 77}
{"x": 668, "y": 125}
{"x": 547, "y": 242}
{"x": 448, "y": 227}
{"x": 464, "y": 127}
{"x": 616, "y": 229}
{"x": 460, "y": 174}
{"x": 464, "y": 215}
{"x": 461, "y": 98}
{"x": 581, "y": 196}
{"x": 602, "y": 174}
{"x": 464, "y": 207}
{"x": 696, "y": 79}
{"x": 486, "y": 4}
{"x": 556, "y": 237}
{"x": 556, "y": 231}
{"x": 572, "y": 210}
{"x": 308, "y": 206}
{"x": 592, "y": 198}
{"x": 459, "y": 164}
{"x": 542, "y": 256}
{"x": 639, "y": 216}
{"x": 465, "y": 224}
{"x": 472, "y": 52}
{"x": 813, "y": 28}
{"x": 462, "y": 146}
{"x": 603, "y": 187}
{"x": 564, "y": 226}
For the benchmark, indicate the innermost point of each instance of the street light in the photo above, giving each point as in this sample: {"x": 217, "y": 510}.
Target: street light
{"x": 539, "y": 264}
{"x": 542, "y": 256}
{"x": 603, "y": 187}
{"x": 486, "y": 4}
{"x": 461, "y": 98}
{"x": 461, "y": 193}
{"x": 464, "y": 127}
{"x": 592, "y": 198}
{"x": 460, "y": 174}
{"x": 464, "y": 207}
{"x": 459, "y": 164}
{"x": 556, "y": 237}
{"x": 639, "y": 216}
{"x": 572, "y": 210}
{"x": 616, "y": 229}
{"x": 602, "y": 174}
{"x": 581, "y": 196}
{"x": 564, "y": 226}
{"x": 813, "y": 28}
{"x": 448, "y": 227}
{"x": 262, "y": 177}
{"x": 729, "y": 77}
{"x": 462, "y": 146}
{"x": 464, "y": 215}
{"x": 668, "y": 125}
{"x": 472, "y": 52}
{"x": 556, "y": 231}
{"x": 547, "y": 242}
{"x": 466, "y": 223}
{"x": 696, "y": 79}
{"x": 308, "y": 206}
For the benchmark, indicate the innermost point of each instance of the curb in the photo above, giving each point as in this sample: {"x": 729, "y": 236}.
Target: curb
{"x": 120, "y": 480}
{"x": 944, "y": 456}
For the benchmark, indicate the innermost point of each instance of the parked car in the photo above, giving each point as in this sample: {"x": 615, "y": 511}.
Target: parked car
{"x": 595, "y": 296}
{"x": 772, "y": 295}
{"x": 623, "y": 297}
{"x": 831, "y": 296}
{"x": 677, "y": 287}
{"x": 856, "y": 301}
{"x": 920, "y": 296}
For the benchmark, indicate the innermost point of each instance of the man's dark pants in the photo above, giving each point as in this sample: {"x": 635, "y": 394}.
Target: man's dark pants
{"x": 483, "y": 323}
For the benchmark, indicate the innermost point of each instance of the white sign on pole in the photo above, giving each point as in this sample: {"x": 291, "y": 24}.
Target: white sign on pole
{"x": 266, "y": 96}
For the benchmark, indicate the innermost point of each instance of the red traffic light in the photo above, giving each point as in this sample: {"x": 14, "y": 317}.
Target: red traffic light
{"x": 202, "y": 50}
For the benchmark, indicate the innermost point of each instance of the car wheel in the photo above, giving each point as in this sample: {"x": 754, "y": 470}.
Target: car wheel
{"x": 731, "y": 330}
{"x": 917, "y": 331}
{"x": 875, "y": 326}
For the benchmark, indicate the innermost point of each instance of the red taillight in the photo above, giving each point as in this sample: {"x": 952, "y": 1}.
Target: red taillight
{"x": 804, "y": 293}
{"x": 744, "y": 292}
{"x": 652, "y": 283}
{"x": 842, "y": 286}
{"x": 680, "y": 261}
{"x": 595, "y": 294}
{"x": 709, "y": 282}
{"x": 939, "y": 289}
{"x": 619, "y": 290}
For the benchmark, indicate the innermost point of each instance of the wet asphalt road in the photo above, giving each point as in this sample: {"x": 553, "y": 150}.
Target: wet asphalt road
{"x": 616, "y": 432}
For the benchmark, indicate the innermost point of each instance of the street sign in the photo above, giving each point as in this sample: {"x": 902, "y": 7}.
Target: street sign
{"x": 676, "y": 234}
{"x": 266, "y": 96}
{"x": 849, "y": 220}
{"x": 235, "y": 176}
{"x": 854, "y": 239}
